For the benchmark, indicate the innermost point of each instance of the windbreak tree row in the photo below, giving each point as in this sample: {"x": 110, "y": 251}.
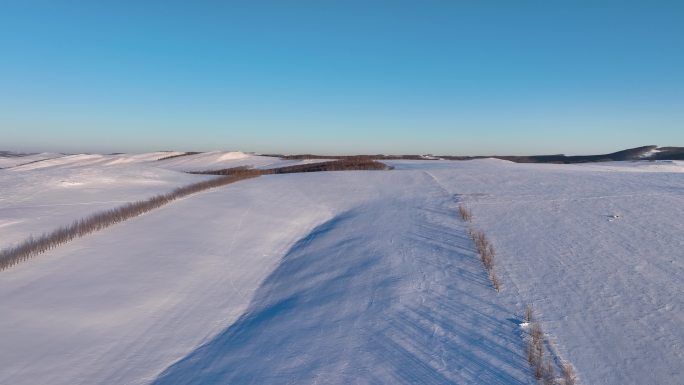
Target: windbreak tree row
{"x": 484, "y": 247}
{"x": 335, "y": 165}
{"x": 34, "y": 246}
{"x": 543, "y": 362}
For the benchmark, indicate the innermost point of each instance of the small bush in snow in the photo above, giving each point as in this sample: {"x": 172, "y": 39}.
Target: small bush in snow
{"x": 568, "y": 372}
{"x": 541, "y": 363}
{"x": 495, "y": 281}
{"x": 465, "y": 213}
{"x": 485, "y": 250}
{"x": 548, "y": 373}
{"x": 535, "y": 349}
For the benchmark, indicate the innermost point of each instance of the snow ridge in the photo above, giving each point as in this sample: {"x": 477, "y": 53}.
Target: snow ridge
{"x": 351, "y": 304}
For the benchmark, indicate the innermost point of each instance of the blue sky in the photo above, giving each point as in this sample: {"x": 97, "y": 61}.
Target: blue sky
{"x": 441, "y": 77}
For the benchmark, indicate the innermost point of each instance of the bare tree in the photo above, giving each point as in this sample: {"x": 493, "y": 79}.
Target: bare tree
{"x": 569, "y": 377}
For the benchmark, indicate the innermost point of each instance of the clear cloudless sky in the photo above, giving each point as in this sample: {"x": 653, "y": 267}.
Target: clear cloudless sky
{"x": 348, "y": 76}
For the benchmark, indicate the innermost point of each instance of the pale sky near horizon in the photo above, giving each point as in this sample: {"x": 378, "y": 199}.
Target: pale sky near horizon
{"x": 404, "y": 77}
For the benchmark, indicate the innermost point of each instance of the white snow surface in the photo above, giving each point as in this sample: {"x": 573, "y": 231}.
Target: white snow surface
{"x": 47, "y": 191}
{"x": 650, "y": 153}
{"x": 40, "y": 197}
{"x": 217, "y": 160}
{"x": 344, "y": 277}
{"x": 608, "y": 290}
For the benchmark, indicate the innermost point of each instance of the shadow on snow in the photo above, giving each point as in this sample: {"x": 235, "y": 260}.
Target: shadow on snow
{"x": 403, "y": 306}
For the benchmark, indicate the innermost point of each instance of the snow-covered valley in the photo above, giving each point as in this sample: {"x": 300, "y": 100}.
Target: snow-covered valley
{"x": 343, "y": 277}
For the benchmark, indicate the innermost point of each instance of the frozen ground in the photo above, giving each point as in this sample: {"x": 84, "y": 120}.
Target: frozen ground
{"x": 350, "y": 277}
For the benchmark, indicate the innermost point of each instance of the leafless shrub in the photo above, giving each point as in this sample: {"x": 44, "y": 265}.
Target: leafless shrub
{"x": 535, "y": 349}
{"x": 548, "y": 373}
{"x": 495, "y": 281}
{"x": 569, "y": 377}
{"x": 465, "y": 213}
{"x": 541, "y": 363}
{"x": 485, "y": 250}
{"x": 33, "y": 246}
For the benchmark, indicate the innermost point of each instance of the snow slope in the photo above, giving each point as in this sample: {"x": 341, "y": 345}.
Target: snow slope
{"x": 37, "y": 197}
{"x": 216, "y": 160}
{"x": 363, "y": 277}
{"x": 356, "y": 277}
{"x": 42, "y": 196}
{"x": 16, "y": 160}
{"x": 387, "y": 291}
{"x": 609, "y": 290}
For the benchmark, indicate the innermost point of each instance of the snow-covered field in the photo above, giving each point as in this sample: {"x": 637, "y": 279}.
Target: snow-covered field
{"x": 42, "y": 196}
{"x": 343, "y": 277}
{"x": 45, "y": 191}
{"x": 599, "y": 251}
{"x": 217, "y": 160}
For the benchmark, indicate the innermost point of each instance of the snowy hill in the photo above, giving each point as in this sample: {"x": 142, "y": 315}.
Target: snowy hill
{"x": 343, "y": 277}
{"x": 11, "y": 159}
